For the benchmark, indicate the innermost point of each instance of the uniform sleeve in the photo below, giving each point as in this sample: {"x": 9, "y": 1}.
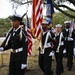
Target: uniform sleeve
{"x": 64, "y": 35}
{"x": 73, "y": 35}
{"x": 25, "y": 47}
{"x": 64, "y": 32}
{"x": 53, "y": 35}
{"x": 54, "y": 41}
{"x": 8, "y": 46}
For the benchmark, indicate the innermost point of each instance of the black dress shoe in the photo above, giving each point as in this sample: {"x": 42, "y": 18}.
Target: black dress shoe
{"x": 69, "y": 69}
{"x": 58, "y": 74}
{"x": 51, "y": 72}
{"x": 26, "y": 70}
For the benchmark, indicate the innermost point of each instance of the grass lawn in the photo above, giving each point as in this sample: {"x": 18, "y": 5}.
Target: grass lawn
{"x": 33, "y": 65}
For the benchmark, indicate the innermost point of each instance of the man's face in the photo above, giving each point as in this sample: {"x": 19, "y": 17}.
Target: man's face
{"x": 67, "y": 25}
{"x": 44, "y": 26}
{"x": 15, "y": 23}
{"x": 58, "y": 29}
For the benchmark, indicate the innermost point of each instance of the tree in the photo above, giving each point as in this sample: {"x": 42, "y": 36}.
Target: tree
{"x": 59, "y": 18}
{"x": 60, "y": 3}
{"x": 57, "y": 4}
{"x": 5, "y": 25}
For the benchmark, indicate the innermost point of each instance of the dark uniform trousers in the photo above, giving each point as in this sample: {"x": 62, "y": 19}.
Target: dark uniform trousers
{"x": 69, "y": 45}
{"x": 59, "y": 60}
{"x": 69, "y": 49}
{"x": 16, "y": 41}
{"x": 15, "y": 64}
{"x": 45, "y": 62}
{"x": 59, "y": 55}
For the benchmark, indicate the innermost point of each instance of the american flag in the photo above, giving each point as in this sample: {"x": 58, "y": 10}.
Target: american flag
{"x": 37, "y": 18}
{"x": 29, "y": 36}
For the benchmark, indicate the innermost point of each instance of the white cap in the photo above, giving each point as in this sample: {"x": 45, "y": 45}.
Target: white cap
{"x": 45, "y": 22}
{"x": 58, "y": 25}
{"x": 67, "y": 22}
{"x": 17, "y": 15}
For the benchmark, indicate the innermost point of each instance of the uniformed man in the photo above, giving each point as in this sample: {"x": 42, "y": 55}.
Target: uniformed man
{"x": 16, "y": 41}
{"x": 59, "y": 49}
{"x": 69, "y": 43}
{"x": 45, "y": 54}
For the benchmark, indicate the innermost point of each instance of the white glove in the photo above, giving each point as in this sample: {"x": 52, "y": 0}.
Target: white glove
{"x": 70, "y": 39}
{"x": 1, "y": 48}
{"x": 57, "y": 51}
{"x": 51, "y": 53}
{"x": 23, "y": 66}
{"x": 64, "y": 51}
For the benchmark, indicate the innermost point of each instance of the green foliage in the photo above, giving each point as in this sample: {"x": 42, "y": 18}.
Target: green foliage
{"x": 5, "y": 25}
{"x": 59, "y": 18}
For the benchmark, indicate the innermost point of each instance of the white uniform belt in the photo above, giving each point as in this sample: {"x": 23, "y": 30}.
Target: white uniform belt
{"x": 17, "y": 50}
{"x": 62, "y": 43}
{"x": 47, "y": 45}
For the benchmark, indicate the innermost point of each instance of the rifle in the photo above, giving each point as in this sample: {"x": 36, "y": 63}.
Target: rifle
{"x": 24, "y": 14}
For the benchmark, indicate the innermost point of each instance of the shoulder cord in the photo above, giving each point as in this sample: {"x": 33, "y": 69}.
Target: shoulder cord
{"x": 21, "y": 31}
{"x": 48, "y": 34}
{"x": 61, "y": 35}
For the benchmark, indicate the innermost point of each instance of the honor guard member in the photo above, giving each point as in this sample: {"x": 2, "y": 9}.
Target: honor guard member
{"x": 16, "y": 41}
{"x": 59, "y": 49}
{"x": 69, "y": 43}
{"x": 45, "y": 54}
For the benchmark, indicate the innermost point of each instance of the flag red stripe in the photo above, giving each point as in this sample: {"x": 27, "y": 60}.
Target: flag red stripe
{"x": 38, "y": 17}
{"x": 38, "y": 32}
{"x": 29, "y": 37}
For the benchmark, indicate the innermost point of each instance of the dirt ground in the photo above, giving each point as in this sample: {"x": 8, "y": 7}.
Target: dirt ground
{"x": 33, "y": 65}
